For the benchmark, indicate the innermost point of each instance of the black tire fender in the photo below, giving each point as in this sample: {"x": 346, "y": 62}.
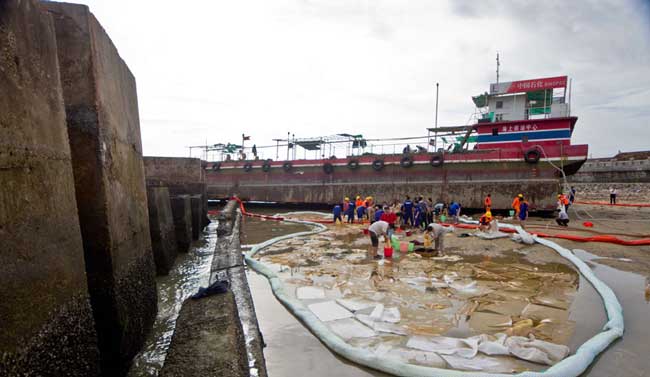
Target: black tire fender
{"x": 266, "y": 166}
{"x": 378, "y": 164}
{"x": 287, "y": 166}
{"x": 353, "y": 164}
{"x": 248, "y": 167}
{"x": 328, "y": 168}
{"x": 406, "y": 162}
{"x": 532, "y": 156}
{"x": 437, "y": 160}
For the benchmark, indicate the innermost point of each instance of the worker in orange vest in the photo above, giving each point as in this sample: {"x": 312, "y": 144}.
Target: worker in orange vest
{"x": 564, "y": 201}
{"x": 359, "y": 202}
{"x": 516, "y": 203}
{"x": 488, "y": 202}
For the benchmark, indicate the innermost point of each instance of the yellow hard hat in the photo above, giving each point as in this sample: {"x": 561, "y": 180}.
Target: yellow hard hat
{"x": 346, "y": 198}
{"x": 488, "y": 214}
{"x": 521, "y": 195}
{"x": 559, "y": 195}
{"x": 358, "y": 197}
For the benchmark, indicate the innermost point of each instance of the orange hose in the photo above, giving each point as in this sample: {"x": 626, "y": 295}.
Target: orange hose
{"x": 600, "y": 238}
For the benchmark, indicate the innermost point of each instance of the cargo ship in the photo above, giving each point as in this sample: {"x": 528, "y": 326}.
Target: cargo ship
{"x": 519, "y": 141}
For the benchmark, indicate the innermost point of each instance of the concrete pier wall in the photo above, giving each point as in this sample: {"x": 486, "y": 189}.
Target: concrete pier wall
{"x": 196, "y": 203}
{"x": 219, "y": 317}
{"x": 182, "y": 215}
{"x": 183, "y": 176}
{"x": 46, "y": 323}
{"x": 612, "y": 170}
{"x": 100, "y": 98}
{"x": 161, "y": 226}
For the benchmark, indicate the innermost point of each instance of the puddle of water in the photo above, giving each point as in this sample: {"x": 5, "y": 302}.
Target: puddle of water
{"x": 629, "y": 355}
{"x": 191, "y": 270}
{"x": 494, "y": 291}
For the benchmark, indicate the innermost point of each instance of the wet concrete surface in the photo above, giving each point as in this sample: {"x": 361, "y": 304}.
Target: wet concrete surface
{"x": 287, "y": 337}
{"x": 291, "y": 350}
{"x": 190, "y": 271}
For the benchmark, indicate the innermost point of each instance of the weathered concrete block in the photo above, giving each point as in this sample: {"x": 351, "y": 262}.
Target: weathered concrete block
{"x": 208, "y": 340}
{"x": 102, "y": 115}
{"x": 161, "y": 226}
{"x": 197, "y": 215}
{"x": 183, "y": 176}
{"x": 182, "y": 214}
{"x": 46, "y": 323}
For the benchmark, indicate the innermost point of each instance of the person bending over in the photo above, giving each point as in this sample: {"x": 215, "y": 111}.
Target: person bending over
{"x": 376, "y": 230}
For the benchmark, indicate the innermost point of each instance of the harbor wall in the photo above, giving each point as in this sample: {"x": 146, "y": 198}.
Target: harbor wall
{"x": 162, "y": 229}
{"x": 182, "y": 216}
{"x": 46, "y": 322}
{"x": 613, "y": 171}
{"x": 182, "y": 176}
{"x": 230, "y": 342}
{"x": 100, "y": 98}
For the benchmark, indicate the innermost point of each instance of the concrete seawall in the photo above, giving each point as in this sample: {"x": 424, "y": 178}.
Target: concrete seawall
{"x": 612, "y": 170}
{"x": 227, "y": 320}
{"x": 46, "y": 322}
{"x": 100, "y": 98}
{"x": 182, "y": 176}
{"x": 161, "y": 226}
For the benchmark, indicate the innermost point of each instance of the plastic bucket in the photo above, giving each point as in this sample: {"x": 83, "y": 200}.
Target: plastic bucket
{"x": 411, "y": 247}
{"x": 366, "y": 231}
{"x": 408, "y": 233}
{"x": 404, "y": 246}
{"x": 443, "y": 218}
{"x": 512, "y": 213}
{"x": 395, "y": 243}
{"x": 388, "y": 252}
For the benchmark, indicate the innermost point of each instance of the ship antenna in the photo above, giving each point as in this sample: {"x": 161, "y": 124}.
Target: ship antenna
{"x": 498, "y": 64}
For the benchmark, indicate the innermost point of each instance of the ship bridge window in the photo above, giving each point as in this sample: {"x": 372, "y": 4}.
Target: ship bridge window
{"x": 498, "y": 118}
{"x": 499, "y": 104}
{"x": 495, "y": 131}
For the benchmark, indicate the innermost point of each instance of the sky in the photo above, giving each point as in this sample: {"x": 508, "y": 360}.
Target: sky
{"x": 208, "y": 71}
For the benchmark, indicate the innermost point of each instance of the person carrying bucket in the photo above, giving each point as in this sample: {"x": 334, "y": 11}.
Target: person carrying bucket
{"x": 375, "y": 230}
{"x": 437, "y": 232}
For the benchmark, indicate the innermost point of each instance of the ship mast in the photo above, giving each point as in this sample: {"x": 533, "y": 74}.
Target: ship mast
{"x": 498, "y": 64}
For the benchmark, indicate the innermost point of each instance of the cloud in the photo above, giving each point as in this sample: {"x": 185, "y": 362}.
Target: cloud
{"x": 213, "y": 70}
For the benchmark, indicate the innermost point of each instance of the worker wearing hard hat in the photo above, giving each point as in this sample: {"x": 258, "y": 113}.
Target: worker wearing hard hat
{"x": 484, "y": 221}
{"x": 516, "y": 202}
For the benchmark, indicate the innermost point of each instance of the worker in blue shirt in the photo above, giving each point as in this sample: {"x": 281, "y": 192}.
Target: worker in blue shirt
{"x": 407, "y": 211}
{"x": 454, "y": 211}
{"x": 361, "y": 210}
{"x": 423, "y": 213}
{"x": 337, "y": 213}
{"x": 378, "y": 213}
{"x": 350, "y": 212}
